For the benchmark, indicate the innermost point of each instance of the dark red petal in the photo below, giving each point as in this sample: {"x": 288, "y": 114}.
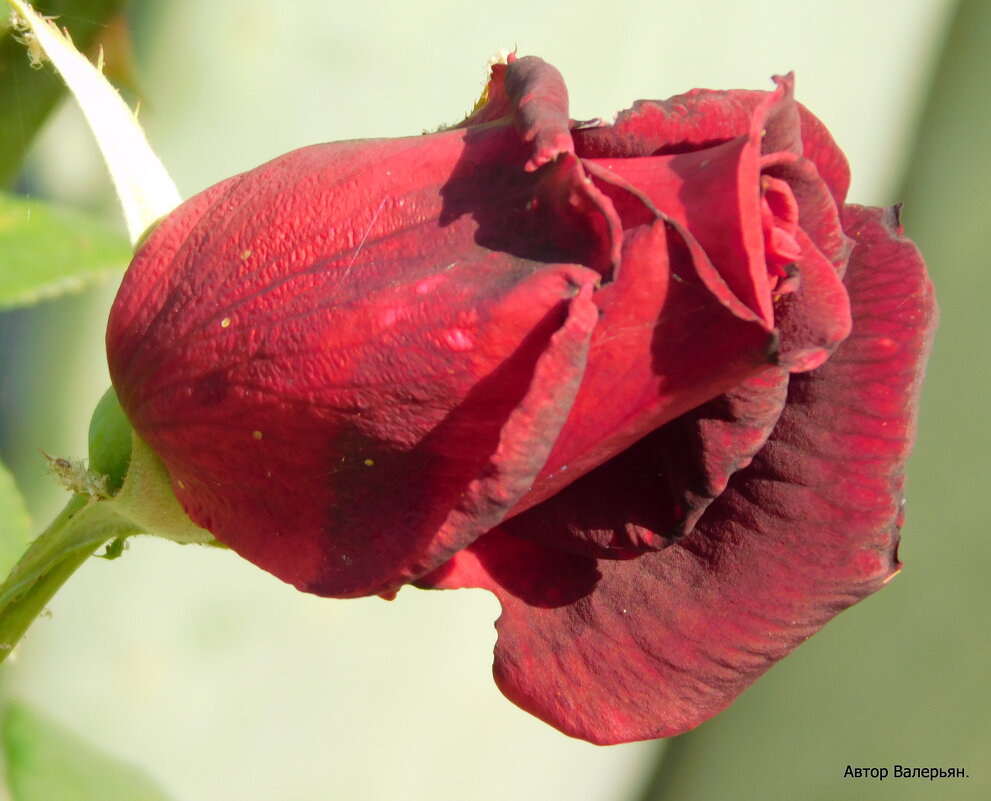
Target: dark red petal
{"x": 618, "y": 510}
{"x": 534, "y": 94}
{"x": 523, "y": 573}
{"x": 819, "y": 147}
{"x": 701, "y": 450}
{"x": 815, "y": 317}
{"x": 524, "y": 441}
{"x": 664, "y": 641}
{"x": 655, "y": 491}
{"x": 713, "y": 193}
{"x": 577, "y": 217}
{"x": 338, "y": 382}
{"x": 664, "y": 345}
{"x": 566, "y": 211}
{"x": 540, "y": 98}
{"x": 702, "y": 118}
{"x": 818, "y": 213}
{"x": 636, "y": 208}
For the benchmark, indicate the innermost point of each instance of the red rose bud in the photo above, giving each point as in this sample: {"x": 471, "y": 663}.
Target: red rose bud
{"x": 529, "y": 354}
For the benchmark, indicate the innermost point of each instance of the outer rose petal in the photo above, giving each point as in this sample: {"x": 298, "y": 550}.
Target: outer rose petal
{"x": 669, "y": 639}
{"x": 337, "y": 404}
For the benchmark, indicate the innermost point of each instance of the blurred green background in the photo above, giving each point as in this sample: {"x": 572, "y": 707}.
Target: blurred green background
{"x": 222, "y": 683}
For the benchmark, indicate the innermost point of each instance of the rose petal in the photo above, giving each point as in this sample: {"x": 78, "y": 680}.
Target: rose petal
{"x": 669, "y": 639}
{"x": 537, "y": 92}
{"x": 664, "y": 345}
{"x": 702, "y": 118}
{"x": 818, "y": 214}
{"x": 567, "y": 217}
{"x": 635, "y": 208}
{"x": 330, "y": 376}
{"x": 815, "y": 317}
{"x": 618, "y": 510}
{"x": 533, "y": 92}
{"x": 701, "y": 450}
{"x": 713, "y": 193}
{"x": 654, "y": 492}
{"x": 576, "y": 217}
{"x": 524, "y": 441}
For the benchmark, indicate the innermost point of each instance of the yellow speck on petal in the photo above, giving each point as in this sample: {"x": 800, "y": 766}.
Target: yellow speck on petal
{"x": 246, "y": 254}
{"x": 369, "y": 462}
{"x": 181, "y": 485}
{"x": 256, "y": 434}
{"x": 225, "y": 322}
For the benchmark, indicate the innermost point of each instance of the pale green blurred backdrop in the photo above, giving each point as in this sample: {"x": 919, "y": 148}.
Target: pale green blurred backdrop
{"x": 225, "y": 684}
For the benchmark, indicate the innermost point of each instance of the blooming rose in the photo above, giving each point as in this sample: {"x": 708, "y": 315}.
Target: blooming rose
{"x": 586, "y": 366}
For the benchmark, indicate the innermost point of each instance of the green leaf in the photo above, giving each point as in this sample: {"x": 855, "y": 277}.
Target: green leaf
{"x": 46, "y": 251}
{"x": 15, "y": 525}
{"x": 47, "y": 762}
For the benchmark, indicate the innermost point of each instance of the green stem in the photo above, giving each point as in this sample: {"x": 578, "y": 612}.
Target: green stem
{"x": 142, "y": 503}
{"x": 82, "y": 527}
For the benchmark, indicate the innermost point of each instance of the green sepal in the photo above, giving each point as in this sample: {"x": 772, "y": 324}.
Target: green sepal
{"x": 110, "y": 441}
